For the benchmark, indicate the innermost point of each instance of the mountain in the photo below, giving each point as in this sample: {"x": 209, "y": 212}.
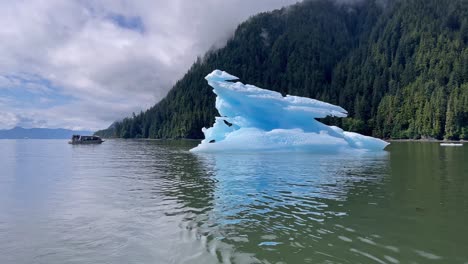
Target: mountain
{"x": 40, "y": 133}
{"x": 398, "y": 67}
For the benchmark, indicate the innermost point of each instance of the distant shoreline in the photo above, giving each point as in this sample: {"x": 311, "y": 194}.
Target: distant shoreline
{"x": 426, "y": 140}
{"x": 191, "y": 139}
{"x": 388, "y": 140}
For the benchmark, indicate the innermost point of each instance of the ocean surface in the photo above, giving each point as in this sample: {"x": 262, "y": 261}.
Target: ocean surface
{"x": 138, "y": 201}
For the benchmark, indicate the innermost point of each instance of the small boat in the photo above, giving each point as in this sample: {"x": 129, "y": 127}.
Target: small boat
{"x": 77, "y": 139}
{"x": 451, "y": 144}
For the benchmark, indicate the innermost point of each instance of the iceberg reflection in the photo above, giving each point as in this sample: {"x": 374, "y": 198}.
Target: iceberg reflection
{"x": 281, "y": 201}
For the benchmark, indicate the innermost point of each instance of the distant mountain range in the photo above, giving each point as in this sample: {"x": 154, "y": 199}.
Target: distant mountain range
{"x": 40, "y": 133}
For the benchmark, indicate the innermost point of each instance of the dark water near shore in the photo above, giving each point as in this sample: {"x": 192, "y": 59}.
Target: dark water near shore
{"x": 155, "y": 202}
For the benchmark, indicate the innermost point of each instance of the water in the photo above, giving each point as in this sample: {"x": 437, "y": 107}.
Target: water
{"x": 155, "y": 202}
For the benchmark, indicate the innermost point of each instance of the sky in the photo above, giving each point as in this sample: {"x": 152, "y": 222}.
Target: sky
{"x": 82, "y": 64}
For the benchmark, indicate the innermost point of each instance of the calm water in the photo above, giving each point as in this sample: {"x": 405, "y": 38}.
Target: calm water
{"x": 155, "y": 202}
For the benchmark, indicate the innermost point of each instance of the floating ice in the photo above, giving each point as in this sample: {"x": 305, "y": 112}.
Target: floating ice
{"x": 254, "y": 119}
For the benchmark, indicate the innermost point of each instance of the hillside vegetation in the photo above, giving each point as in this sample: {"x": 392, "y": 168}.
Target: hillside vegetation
{"x": 400, "y": 69}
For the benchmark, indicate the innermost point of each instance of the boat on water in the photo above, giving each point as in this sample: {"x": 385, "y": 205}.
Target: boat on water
{"x": 451, "y": 144}
{"x": 77, "y": 139}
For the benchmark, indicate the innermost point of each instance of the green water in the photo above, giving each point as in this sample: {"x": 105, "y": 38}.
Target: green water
{"x": 129, "y": 201}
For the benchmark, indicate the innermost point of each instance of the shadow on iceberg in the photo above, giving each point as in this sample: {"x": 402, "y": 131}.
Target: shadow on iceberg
{"x": 255, "y": 119}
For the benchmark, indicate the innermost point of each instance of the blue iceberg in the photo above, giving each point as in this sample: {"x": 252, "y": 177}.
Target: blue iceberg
{"x": 255, "y": 119}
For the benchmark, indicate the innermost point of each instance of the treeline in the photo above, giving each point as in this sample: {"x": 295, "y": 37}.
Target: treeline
{"x": 401, "y": 70}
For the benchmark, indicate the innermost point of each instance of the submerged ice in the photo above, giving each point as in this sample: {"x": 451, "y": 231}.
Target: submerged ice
{"x": 255, "y": 119}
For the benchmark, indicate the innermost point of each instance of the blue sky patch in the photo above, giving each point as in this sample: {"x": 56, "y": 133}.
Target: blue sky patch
{"x": 134, "y": 23}
{"x": 31, "y": 91}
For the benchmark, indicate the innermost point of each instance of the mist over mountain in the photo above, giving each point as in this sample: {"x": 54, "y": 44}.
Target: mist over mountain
{"x": 40, "y": 133}
{"x": 398, "y": 68}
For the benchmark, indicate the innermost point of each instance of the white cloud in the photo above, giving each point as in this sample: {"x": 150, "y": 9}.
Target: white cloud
{"x": 83, "y": 50}
{"x": 7, "y": 120}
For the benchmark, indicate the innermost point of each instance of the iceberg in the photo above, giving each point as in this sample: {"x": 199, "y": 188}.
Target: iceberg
{"x": 255, "y": 119}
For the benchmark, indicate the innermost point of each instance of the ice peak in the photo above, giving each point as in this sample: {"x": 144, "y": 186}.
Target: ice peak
{"x": 218, "y": 75}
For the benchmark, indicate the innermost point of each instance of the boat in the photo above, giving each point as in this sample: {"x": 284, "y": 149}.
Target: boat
{"x": 451, "y": 144}
{"x": 77, "y": 139}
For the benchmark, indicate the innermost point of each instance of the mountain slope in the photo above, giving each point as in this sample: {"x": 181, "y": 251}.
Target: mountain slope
{"x": 400, "y": 71}
{"x": 39, "y": 133}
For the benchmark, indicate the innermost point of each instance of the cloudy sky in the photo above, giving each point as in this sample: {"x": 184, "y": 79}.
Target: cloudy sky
{"x": 83, "y": 64}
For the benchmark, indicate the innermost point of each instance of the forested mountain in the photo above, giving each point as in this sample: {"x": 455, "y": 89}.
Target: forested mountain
{"x": 400, "y": 68}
